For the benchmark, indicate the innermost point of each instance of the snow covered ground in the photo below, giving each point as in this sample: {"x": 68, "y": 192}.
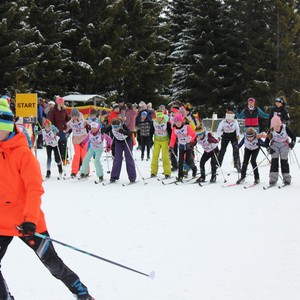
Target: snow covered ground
{"x": 208, "y": 242}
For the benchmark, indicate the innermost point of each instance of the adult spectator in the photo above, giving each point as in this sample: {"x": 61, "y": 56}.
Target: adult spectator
{"x": 250, "y": 113}
{"x": 49, "y": 107}
{"x": 59, "y": 118}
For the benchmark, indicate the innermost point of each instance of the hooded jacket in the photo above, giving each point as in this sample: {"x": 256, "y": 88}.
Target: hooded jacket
{"x": 20, "y": 186}
{"x": 59, "y": 118}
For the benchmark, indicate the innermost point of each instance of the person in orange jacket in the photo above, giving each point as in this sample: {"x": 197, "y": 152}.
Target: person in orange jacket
{"x": 186, "y": 138}
{"x": 20, "y": 205}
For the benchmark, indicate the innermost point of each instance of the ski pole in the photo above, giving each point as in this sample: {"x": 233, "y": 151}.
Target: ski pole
{"x": 199, "y": 152}
{"x": 45, "y": 237}
{"x": 219, "y": 166}
{"x": 173, "y": 152}
{"x": 135, "y": 162}
{"x": 255, "y": 168}
{"x": 269, "y": 160}
{"x": 296, "y": 158}
{"x": 108, "y": 168}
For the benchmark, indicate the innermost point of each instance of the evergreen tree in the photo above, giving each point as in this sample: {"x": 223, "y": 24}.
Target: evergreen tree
{"x": 146, "y": 73}
{"x": 179, "y": 14}
{"x": 54, "y": 60}
{"x": 18, "y": 45}
{"x": 259, "y": 55}
{"x": 212, "y": 69}
{"x": 287, "y": 76}
{"x": 89, "y": 22}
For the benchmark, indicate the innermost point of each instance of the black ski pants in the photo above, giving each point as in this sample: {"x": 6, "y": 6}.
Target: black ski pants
{"x": 45, "y": 251}
{"x": 226, "y": 139}
{"x": 253, "y": 155}
{"x": 213, "y": 162}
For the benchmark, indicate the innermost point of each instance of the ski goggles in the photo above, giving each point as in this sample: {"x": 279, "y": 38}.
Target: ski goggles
{"x": 279, "y": 100}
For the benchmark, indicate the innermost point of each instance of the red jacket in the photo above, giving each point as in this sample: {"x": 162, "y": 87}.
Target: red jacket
{"x": 185, "y": 134}
{"x": 59, "y": 118}
{"x": 20, "y": 186}
{"x": 112, "y": 115}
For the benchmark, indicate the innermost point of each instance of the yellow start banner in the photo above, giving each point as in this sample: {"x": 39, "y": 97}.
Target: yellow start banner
{"x": 26, "y": 105}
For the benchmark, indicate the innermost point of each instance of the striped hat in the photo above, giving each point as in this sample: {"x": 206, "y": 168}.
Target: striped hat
{"x": 6, "y": 116}
{"x": 200, "y": 130}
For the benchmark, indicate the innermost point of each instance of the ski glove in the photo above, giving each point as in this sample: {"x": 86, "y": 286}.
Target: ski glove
{"x": 270, "y": 150}
{"x": 27, "y": 228}
{"x": 108, "y": 147}
{"x": 193, "y": 143}
{"x": 292, "y": 144}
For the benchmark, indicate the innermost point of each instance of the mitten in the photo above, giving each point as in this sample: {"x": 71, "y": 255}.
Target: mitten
{"x": 270, "y": 150}
{"x": 27, "y": 228}
{"x": 108, "y": 147}
{"x": 292, "y": 144}
{"x": 82, "y": 144}
{"x": 193, "y": 143}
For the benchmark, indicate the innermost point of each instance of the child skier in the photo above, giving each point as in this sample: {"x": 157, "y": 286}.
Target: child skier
{"x": 20, "y": 206}
{"x": 185, "y": 136}
{"x": 96, "y": 138}
{"x": 51, "y": 140}
{"x": 229, "y": 131}
{"x": 210, "y": 146}
{"x": 123, "y": 143}
{"x": 78, "y": 126}
{"x": 94, "y": 117}
{"x": 162, "y": 133}
{"x": 145, "y": 127}
{"x": 252, "y": 143}
{"x": 278, "y": 145}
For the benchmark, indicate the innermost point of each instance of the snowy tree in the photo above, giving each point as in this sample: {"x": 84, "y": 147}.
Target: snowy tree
{"x": 179, "y": 14}
{"x": 54, "y": 60}
{"x": 287, "y": 76}
{"x": 211, "y": 66}
{"x": 18, "y": 47}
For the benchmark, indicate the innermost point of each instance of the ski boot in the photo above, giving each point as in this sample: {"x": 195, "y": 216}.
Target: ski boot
{"x": 242, "y": 179}
{"x": 213, "y": 179}
{"x": 200, "y": 179}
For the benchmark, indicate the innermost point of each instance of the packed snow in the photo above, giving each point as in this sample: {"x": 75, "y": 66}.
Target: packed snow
{"x": 209, "y": 242}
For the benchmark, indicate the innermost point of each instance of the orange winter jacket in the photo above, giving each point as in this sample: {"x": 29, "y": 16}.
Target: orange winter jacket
{"x": 20, "y": 186}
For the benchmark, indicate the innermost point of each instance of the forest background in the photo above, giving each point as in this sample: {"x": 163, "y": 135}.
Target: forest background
{"x": 213, "y": 54}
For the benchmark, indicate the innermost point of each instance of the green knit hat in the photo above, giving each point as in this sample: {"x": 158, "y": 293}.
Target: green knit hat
{"x": 6, "y": 116}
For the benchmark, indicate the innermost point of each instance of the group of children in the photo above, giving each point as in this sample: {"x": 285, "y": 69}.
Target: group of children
{"x": 174, "y": 136}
